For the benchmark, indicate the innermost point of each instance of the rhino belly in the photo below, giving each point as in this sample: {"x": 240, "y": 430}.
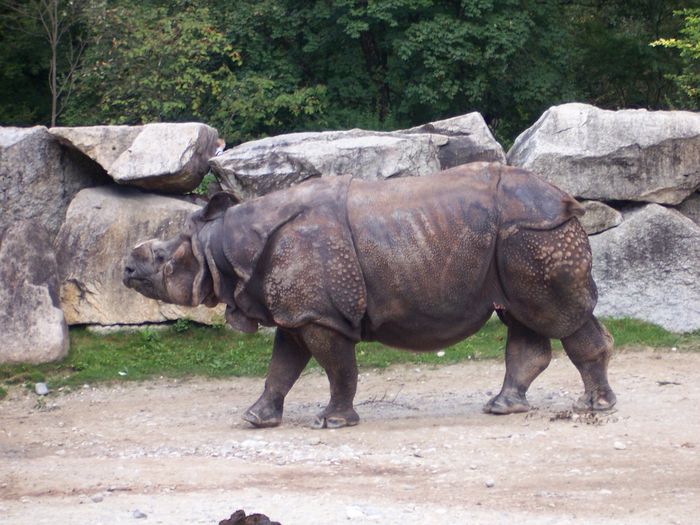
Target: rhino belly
{"x": 427, "y": 263}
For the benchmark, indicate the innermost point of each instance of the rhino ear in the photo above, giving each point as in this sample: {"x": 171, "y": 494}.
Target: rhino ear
{"x": 216, "y": 207}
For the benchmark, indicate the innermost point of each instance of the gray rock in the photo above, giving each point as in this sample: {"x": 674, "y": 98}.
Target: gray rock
{"x": 599, "y": 217}
{"x": 262, "y": 166}
{"x": 41, "y": 389}
{"x": 138, "y": 515}
{"x": 638, "y": 155}
{"x": 690, "y": 207}
{"x": 169, "y": 157}
{"x": 102, "y": 226}
{"x": 647, "y": 268}
{"x": 39, "y": 177}
{"x": 469, "y": 140}
{"x": 32, "y": 324}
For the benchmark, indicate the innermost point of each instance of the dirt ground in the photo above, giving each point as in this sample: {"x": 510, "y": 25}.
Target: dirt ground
{"x": 177, "y": 451}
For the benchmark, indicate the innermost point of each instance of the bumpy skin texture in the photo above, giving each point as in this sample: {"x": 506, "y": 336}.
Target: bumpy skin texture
{"x": 415, "y": 263}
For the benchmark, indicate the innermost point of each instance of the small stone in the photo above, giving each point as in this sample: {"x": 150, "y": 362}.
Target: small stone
{"x": 605, "y": 492}
{"x": 138, "y": 515}
{"x": 97, "y": 498}
{"x": 354, "y": 513}
{"x": 41, "y": 389}
{"x": 441, "y": 353}
{"x": 473, "y": 467}
{"x": 619, "y": 445}
{"x": 314, "y": 441}
{"x": 490, "y": 483}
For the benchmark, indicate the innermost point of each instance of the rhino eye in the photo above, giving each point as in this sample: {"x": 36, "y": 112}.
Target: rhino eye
{"x": 159, "y": 257}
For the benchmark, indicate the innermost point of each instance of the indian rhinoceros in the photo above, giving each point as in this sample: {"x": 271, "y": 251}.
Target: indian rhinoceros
{"x": 415, "y": 263}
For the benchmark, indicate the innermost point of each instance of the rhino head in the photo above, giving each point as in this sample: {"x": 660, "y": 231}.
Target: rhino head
{"x": 175, "y": 270}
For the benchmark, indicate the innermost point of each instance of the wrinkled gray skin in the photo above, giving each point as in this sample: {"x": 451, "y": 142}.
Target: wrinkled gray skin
{"x": 416, "y": 263}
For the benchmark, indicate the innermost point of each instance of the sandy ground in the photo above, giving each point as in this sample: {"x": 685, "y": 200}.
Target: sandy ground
{"x": 177, "y": 451}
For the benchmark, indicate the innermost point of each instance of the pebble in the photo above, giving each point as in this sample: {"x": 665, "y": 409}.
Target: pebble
{"x": 441, "y": 353}
{"x": 619, "y": 445}
{"x": 138, "y": 515}
{"x": 354, "y": 513}
{"x": 41, "y": 389}
{"x": 97, "y": 498}
{"x": 490, "y": 483}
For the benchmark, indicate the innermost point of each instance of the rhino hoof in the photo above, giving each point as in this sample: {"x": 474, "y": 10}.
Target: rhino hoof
{"x": 339, "y": 421}
{"x": 596, "y": 401}
{"x": 502, "y": 405}
{"x": 258, "y": 422}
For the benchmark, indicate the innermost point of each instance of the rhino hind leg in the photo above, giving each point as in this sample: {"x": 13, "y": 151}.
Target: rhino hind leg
{"x": 289, "y": 358}
{"x": 336, "y": 355}
{"x": 590, "y": 348}
{"x": 527, "y": 355}
{"x": 546, "y": 276}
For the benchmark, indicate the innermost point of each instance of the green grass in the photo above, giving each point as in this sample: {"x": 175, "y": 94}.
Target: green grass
{"x": 187, "y": 349}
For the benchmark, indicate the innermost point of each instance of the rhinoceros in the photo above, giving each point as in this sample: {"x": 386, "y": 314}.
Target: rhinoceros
{"x": 415, "y": 263}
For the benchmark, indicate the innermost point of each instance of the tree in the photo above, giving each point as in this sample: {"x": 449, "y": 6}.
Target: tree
{"x": 147, "y": 63}
{"x": 56, "y": 19}
{"x": 615, "y": 65}
{"x": 688, "y": 46}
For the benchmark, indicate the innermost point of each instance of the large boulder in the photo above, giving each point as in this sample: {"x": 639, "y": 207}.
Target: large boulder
{"x": 647, "y": 268}
{"x": 690, "y": 207}
{"x": 632, "y": 154}
{"x": 599, "y": 217}
{"x": 102, "y": 226}
{"x": 469, "y": 140}
{"x": 167, "y": 157}
{"x": 261, "y": 166}
{"x": 32, "y": 324}
{"x": 39, "y": 177}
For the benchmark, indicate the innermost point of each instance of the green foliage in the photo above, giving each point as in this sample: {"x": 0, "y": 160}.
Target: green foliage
{"x": 688, "y": 47}
{"x": 253, "y": 68}
{"x": 614, "y": 63}
{"x": 150, "y": 63}
{"x": 3, "y": 393}
{"x": 24, "y": 60}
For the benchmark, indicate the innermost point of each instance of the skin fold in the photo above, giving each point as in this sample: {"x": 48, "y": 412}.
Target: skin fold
{"x": 415, "y": 263}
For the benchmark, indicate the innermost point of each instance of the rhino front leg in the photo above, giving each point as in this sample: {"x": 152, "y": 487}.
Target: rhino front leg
{"x": 336, "y": 354}
{"x": 527, "y": 355}
{"x": 590, "y": 348}
{"x": 289, "y": 358}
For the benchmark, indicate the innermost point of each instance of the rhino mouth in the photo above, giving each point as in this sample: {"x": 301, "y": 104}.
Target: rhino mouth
{"x": 140, "y": 284}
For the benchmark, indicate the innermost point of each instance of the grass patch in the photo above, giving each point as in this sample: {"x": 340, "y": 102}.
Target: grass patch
{"x": 188, "y": 349}
{"x": 631, "y": 332}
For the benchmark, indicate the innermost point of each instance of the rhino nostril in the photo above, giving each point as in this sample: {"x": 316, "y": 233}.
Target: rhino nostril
{"x": 128, "y": 270}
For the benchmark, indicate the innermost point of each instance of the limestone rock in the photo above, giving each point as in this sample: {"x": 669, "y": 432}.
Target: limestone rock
{"x": 599, "y": 217}
{"x": 102, "y": 226}
{"x": 647, "y": 268}
{"x": 262, "y": 166}
{"x": 469, "y": 140}
{"x": 171, "y": 157}
{"x": 632, "y": 154}
{"x": 690, "y": 207}
{"x": 32, "y": 324}
{"x": 39, "y": 177}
